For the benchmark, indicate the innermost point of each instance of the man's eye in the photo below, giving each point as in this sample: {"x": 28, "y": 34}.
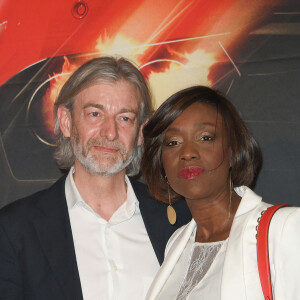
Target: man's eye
{"x": 126, "y": 119}
{"x": 95, "y": 114}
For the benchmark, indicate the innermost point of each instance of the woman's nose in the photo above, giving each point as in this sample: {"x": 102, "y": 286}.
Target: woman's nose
{"x": 109, "y": 129}
{"x": 189, "y": 151}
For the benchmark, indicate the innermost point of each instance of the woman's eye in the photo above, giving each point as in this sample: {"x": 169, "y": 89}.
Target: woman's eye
{"x": 207, "y": 138}
{"x": 172, "y": 143}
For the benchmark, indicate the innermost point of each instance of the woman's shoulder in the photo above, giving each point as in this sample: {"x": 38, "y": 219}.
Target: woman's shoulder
{"x": 287, "y": 218}
{"x": 284, "y": 245}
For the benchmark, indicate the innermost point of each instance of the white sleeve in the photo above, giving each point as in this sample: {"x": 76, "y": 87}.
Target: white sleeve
{"x": 286, "y": 253}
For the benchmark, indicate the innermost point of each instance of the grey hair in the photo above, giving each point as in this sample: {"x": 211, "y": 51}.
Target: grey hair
{"x": 101, "y": 69}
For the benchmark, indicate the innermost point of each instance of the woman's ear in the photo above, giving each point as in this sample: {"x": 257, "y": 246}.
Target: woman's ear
{"x": 65, "y": 120}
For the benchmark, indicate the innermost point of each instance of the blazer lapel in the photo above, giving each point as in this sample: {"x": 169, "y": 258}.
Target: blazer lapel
{"x": 53, "y": 228}
{"x": 240, "y": 259}
{"x": 233, "y": 275}
{"x": 176, "y": 249}
{"x": 155, "y": 221}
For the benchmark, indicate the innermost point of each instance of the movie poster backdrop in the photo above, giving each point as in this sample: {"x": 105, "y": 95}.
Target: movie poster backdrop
{"x": 250, "y": 50}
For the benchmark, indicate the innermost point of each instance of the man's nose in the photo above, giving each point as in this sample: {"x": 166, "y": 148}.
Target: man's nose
{"x": 109, "y": 129}
{"x": 189, "y": 151}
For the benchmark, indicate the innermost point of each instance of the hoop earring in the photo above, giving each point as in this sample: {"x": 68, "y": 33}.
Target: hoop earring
{"x": 171, "y": 213}
{"x": 230, "y": 193}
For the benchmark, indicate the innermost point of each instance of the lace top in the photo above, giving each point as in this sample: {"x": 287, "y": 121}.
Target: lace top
{"x": 203, "y": 254}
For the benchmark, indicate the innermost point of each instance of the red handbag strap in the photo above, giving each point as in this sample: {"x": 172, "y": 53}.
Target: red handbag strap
{"x": 263, "y": 250}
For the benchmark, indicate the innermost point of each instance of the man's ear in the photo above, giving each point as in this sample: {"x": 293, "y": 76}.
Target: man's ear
{"x": 140, "y": 133}
{"x": 65, "y": 120}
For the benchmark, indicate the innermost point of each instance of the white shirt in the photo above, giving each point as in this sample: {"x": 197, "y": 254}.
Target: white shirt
{"x": 209, "y": 286}
{"x": 201, "y": 259}
{"x": 115, "y": 258}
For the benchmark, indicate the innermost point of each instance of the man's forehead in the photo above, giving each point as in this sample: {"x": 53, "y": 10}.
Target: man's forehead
{"x": 122, "y": 94}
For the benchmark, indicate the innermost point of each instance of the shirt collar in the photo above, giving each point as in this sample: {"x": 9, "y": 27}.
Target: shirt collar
{"x": 123, "y": 213}
{"x": 249, "y": 200}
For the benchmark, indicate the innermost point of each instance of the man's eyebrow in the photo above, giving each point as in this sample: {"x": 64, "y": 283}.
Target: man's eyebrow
{"x": 126, "y": 110}
{"x": 101, "y": 107}
{"x": 95, "y": 105}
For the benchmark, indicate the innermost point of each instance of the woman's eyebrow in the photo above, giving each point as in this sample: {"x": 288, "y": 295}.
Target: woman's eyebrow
{"x": 196, "y": 126}
{"x": 205, "y": 124}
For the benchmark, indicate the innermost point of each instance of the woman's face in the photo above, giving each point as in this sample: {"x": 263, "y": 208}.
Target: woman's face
{"x": 195, "y": 154}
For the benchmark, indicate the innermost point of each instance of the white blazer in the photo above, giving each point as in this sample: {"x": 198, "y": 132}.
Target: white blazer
{"x": 240, "y": 279}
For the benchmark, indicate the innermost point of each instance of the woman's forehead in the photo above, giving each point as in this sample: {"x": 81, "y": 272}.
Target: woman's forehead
{"x": 198, "y": 112}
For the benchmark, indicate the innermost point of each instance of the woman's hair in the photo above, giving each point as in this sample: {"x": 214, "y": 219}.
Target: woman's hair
{"x": 246, "y": 154}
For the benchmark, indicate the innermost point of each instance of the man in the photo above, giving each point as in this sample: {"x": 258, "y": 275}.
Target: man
{"x": 95, "y": 234}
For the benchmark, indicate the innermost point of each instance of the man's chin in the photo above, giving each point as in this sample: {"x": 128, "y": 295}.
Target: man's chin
{"x": 106, "y": 170}
{"x": 104, "y": 165}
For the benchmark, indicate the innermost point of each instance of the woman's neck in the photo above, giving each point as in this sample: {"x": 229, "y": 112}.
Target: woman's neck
{"x": 214, "y": 217}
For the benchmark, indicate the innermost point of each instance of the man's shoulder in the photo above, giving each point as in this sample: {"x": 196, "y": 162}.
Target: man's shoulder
{"x": 142, "y": 193}
{"x": 138, "y": 185}
{"x": 152, "y": 206}
{"x": 24, "y": 207}
{"x": 140, "y": 189}
{"x": 154, "y": 214}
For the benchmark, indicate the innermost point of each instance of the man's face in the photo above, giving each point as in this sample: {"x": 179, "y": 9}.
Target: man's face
{"x": 104, "y": 127}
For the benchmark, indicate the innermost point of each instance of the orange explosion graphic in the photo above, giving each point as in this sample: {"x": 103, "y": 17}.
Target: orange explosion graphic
{"x": 48, "y": 100}
{"x": 176, "y": 48}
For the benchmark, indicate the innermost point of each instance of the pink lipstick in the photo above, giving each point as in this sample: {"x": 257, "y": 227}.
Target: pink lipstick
{"x": 190, "y": 172}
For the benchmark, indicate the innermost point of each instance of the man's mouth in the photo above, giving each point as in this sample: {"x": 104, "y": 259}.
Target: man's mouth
{"x": 106, "y": 149}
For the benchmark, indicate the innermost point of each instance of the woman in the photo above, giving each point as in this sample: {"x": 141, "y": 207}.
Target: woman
{"x": 199, "y": 148}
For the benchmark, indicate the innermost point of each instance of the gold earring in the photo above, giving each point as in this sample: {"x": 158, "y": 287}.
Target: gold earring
{"x": 171, "y": 213}
{"x": 230, "y": 193}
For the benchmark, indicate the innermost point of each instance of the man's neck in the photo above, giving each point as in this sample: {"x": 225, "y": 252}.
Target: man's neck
{"x": 103, "y": 194}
